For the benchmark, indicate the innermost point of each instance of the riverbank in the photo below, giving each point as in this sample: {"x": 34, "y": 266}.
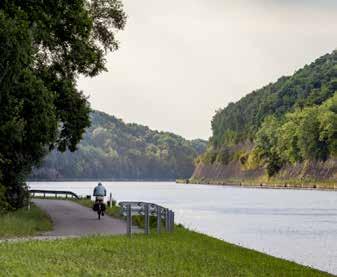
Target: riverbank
{"x": 97, "y": 180}
{"x": 305, "y": 175}
{"x": 271, "y": 184}
{"x": 23, "y": 223}
{"x": 183, "y": 253}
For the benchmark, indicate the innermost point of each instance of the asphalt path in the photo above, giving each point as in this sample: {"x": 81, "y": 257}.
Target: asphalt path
{"x": 72, "y": 219}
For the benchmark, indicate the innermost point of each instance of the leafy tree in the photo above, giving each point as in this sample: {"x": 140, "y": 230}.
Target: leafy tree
{"x": 328, "y": 124}
{"x": 288, "y": 141}
{"x": 44, "y": 47}
{"x": 309, "y": 143}
{"x": 267, "y": 145}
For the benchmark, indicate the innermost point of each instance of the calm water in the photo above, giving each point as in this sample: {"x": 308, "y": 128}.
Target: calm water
{"x": 297, "y": 225}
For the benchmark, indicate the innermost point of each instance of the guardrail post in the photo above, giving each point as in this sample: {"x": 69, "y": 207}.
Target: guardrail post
{"x": 167, "y": 220}
{"x": 146, "y": 219}
{"x": 28, "y": 204}
{"x": 110, "y": 200}
{"x": 128, "y": 220}
{"x": 158, "y": 219}
{"x": 171, "y": 221}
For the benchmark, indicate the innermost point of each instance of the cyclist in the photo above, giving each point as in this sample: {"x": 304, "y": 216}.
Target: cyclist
{"x": 100, "y": 193}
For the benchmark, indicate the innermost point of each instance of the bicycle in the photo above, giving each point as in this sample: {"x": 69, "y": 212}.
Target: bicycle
{"x": 99, "y": 207}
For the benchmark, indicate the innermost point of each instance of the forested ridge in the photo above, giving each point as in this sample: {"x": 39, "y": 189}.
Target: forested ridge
{"x": 290, "y": 121}
{"x": 112, "y": 149}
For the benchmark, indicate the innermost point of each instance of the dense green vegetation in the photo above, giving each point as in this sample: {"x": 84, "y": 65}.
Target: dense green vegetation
{"x": 292, "y": 120}
{"x": 183, "y": 253}
{"x": 44, "y": 47}
{"x": 111, "y": 149}
{"x": 305, "y": 134}
{"x": 24, "y": 222}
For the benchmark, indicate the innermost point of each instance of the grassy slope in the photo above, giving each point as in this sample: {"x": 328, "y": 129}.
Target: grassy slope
{"x": 24, "y": 223}
{"x": 183, "y": 253}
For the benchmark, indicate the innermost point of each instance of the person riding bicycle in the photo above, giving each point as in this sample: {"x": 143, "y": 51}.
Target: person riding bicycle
{"x": 100, "y": 193}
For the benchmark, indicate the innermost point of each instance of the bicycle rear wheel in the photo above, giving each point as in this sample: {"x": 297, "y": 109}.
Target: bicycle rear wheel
{"x": 99, "y": 211}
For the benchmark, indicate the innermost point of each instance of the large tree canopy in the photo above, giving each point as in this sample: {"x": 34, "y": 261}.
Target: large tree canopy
{"x": 44, "y": 46}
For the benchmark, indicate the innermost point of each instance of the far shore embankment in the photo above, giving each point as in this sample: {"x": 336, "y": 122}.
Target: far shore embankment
{"x": 266, "y": 185}
{"x": 98, "y": 179}
{"x": 307, "y": 175}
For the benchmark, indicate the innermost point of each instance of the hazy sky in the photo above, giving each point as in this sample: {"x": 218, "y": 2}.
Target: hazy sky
{"x": 181, "y": 60}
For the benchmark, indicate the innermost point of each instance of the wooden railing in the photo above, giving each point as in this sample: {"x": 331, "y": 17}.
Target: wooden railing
{"x": 129, "y": 209}
{"x": 54, "y": 193}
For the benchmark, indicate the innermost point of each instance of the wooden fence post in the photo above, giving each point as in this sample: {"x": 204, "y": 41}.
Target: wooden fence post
{"x": 146, "y": 219}
{"x": 158, "y": 219}
{"x": 128, "y": 220}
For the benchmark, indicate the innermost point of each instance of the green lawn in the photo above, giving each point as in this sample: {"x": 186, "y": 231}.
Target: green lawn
{"x": 183, "y": 253}
{"x": 24, "y": 223}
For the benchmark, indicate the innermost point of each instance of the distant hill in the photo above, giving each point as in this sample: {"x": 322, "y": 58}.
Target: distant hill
{"x": 112, "y": 149}
{"x": 289, "y": 124}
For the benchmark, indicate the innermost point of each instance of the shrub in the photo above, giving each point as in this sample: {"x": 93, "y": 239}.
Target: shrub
{"x": 209, "y": 156}
{"x": 4, "y": 206}
{"x": 223, "y": 156}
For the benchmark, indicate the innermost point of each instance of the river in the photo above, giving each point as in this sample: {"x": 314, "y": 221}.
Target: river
{"x": 298, "y": 225}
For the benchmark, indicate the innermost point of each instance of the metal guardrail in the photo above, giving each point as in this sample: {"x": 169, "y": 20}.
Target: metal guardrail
{"x": 53, "y": 192}
{"x": 128, "y": 209}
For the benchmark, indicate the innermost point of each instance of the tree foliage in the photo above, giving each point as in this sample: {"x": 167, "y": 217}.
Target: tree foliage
{"x": 111, "y": 149}
{"x": 311, "y": 85}
{"x": 44, "y": 46}
{"x": 290, "y": 121}
{"x": 305, "y": 134}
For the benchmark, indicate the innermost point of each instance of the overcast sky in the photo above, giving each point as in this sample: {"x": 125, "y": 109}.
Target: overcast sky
{"x": 181, "y": 60}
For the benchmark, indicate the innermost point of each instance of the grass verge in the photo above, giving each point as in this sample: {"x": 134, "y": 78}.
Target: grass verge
{"x": 22, "y": 223}
{"x": 183, "y": 253}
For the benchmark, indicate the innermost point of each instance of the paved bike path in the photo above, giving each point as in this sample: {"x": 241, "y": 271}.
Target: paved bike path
{"x": 72, "y": 219}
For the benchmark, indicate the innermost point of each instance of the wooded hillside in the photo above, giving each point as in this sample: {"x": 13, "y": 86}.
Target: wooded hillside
{"x": 112, "y": 149}
{"x": 290, "y": 121}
